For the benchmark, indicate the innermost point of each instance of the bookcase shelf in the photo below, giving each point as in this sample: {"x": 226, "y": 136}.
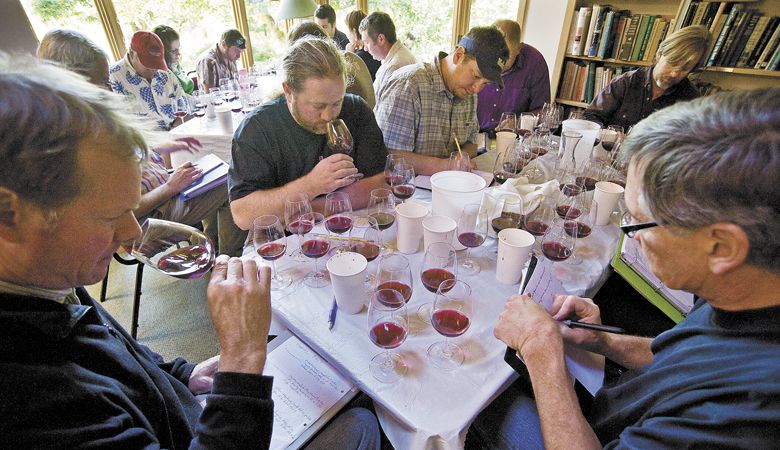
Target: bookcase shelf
{"x": 744, "y": 71}
{"x": 563, "y": 101}
{"x": 616, "y": 62}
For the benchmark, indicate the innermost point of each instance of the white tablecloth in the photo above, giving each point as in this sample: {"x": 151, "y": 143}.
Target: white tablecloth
{"x": 210, "y": 135}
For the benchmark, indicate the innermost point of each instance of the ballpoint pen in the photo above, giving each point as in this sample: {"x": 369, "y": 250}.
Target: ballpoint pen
{"x": 593, "y": 326}
{"x": 332, "y": 315}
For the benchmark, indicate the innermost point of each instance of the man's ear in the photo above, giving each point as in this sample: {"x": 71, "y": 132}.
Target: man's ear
{"x": 287, "y": 91}
{"x": 729, "y": 247}
{"x": 10, "y": 205}
{"x": 458, "y": 54}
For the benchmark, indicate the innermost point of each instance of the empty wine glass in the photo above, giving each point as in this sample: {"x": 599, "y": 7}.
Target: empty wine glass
{"x": 381, "y": 206}
{"x": 174, "y": 249}
{"x": 271, "y": 243}
{"x": 472, "y": 230}
{"x": 402, "y": 181}
{"x": 450, "y": 317}
{"x": 340, "y": 141}
{"x": 295, "y": 206}
{"x": 390, "y": 162}
{"x": 459, "y": 161}
{"x": 314, "y": 246}
{"x": 394, "y": 272}
{"x": 557, "y": 244}
{"x": 440, "y": 263}
{"x": 507, "y": 122}
{"x": 338, "y": 213}
{"x": 388, "y": 326}
{"x": 216, "y": 96}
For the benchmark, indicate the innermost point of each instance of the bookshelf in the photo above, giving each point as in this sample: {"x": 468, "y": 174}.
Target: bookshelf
{"x": 559, "y": 57}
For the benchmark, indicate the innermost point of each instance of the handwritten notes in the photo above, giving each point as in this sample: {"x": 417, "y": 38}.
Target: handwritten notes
{"x": 305, "y": 387}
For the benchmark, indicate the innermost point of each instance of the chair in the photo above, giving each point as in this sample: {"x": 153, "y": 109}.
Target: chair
{"x": 193, "y": 74}
{"x": 139, "y": 274}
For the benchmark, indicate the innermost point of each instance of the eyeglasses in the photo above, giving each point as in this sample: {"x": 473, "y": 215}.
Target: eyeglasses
{"x": 630, "y": 229}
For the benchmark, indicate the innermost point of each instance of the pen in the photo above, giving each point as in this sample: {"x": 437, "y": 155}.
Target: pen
{"x": 593, "y": 326}
{"x": 332, "y": 315}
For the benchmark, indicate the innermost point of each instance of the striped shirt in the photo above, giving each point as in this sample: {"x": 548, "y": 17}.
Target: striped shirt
{"x": 154, "y": 173}
{"x": 417, "y": 113}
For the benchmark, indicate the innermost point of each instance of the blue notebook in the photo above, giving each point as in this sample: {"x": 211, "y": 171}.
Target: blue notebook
{"x": 215, "y": 173}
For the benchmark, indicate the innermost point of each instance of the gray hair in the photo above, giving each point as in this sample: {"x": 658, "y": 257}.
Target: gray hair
{"x": 312, "y": 57}
{"x": 72, "y": 49}
{"x": 45, "y": 113}
{"x": 715, "y": 159}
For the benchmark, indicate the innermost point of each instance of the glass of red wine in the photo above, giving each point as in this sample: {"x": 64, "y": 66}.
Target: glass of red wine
{"x": 388, "y": 326}
{"x": 364, "y": 239}
{"x": 295, "y": 206}
{"x": 181, "y": 109}
{"x": 507, "y": 166}
{"x": 507, "y": 122}
{"x": 340, "y": 141}
{"x": 314, "y": 246}
{"x": 402, "y": 181}
{"x": 581, "y": 227}
{"x": 440, "y": 263}
{"x": 610, "y": 136}
{"x": 381, "y": 206}
{"x": 569, "y": 206}
{"x": 450, "y": 317}
{"x": 174, "y": 249}
{"x": 472, "y": 231}
{"x": 511, "y": 214}
{"x": 271, "y": 243}
{"x": 390, "y": 163}
{"x": 557, "y": 244}
{"x": 537, "y": 221}
{"x": 394, "y": 272}
{"x": 338, "y": 213}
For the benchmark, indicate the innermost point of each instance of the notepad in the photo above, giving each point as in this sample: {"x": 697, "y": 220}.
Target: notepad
{"x": 215, "y": 173}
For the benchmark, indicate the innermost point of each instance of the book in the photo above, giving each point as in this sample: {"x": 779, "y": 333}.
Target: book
{"x": 752, "y": 41}
{"x": 605, "y": 34}
{"x": 719, "y": 42}
{"x": 591, "y": 27}
{"x": 590, "y": 83}
{"x": 774, "y": 63}
{"x": 715, "y": 31}
{"x": 580, "y": 31}
{"x": 620, "y": 34}
{"x": 215, "y": 172}
{"x": 763, "y": 41}
{"x": 641, "y": 37}
{"x": 729, "y": 46}
{"x": 769, "y": 49}
{"x": 598, "y": 31}
{"x": 628, "y": 42}
{"x": 741, "y": 42}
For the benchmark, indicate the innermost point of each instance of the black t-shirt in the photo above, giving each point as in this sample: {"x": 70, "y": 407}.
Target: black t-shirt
{"x": 270, "y": 149}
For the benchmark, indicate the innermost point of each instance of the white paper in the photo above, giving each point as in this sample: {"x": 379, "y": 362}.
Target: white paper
{"x": 586, "y": 367}
{"x": 305, "y": 387}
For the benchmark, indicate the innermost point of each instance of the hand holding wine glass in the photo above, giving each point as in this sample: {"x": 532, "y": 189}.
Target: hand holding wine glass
{"x": 388, "y": 326}
{"x": 340, "y": 141}
{"x": 174, "y": 249}
{"x": 450, "y": 317}
{"x": 271, "y": 243}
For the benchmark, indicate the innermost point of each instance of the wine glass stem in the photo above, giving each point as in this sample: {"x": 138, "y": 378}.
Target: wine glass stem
{"x": 447, "y": 350}
{"x": 273, "y": 270}
{"x": 389, "y": 364}
{"x": 316, "y": 269}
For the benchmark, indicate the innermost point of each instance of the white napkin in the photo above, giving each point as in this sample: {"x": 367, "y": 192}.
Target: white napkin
{"x": 531, "y": 194}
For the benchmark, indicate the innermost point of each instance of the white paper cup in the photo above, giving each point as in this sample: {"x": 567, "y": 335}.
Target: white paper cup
{"x": 225, "y": 119}
{"x": 347, "y": 277}
{"x": 211, "y": 112}
{"x": 514, "y": 248}
{"x": 409, "y": 217}
{"x": 606, "y": 196}
{"x": 438, "y": 229}
{"x": 504, "y": 140}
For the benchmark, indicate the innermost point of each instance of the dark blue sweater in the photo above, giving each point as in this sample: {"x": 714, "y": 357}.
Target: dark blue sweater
{"x": 70, "y": 376}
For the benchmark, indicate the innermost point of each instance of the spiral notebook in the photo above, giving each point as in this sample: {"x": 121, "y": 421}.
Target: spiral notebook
{"x": 215, "y": 172}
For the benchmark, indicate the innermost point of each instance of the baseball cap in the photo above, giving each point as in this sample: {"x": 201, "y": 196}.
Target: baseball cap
{"x": 150, "y": 50}
{"x": 234, "y": 37}
{"x": 490, "y": 59}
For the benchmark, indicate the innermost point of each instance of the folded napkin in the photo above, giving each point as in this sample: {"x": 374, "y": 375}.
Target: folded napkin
{"x": 532, "y": 195}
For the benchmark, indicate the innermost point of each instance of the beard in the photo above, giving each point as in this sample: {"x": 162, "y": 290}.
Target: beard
{"x": 316, "y": 127}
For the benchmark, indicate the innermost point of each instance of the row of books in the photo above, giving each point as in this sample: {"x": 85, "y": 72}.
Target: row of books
{"x": 605, "y": 32}
{"x": 583, "y": 80}
{"x": 741, "y": 36}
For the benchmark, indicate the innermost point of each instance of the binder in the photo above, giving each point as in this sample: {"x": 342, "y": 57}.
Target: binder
{"x": 215, "y": 172}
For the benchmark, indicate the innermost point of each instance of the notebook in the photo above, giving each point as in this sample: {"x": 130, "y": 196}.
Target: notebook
{"x": 215, "y": 173}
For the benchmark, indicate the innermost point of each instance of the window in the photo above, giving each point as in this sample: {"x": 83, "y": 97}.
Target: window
{"x": 79, "y": 15}
{"x": 485, "y": 12}
{"x": 424, "y": 27}
{"x": 342, "y": 7}
{"x": 269, "y": 41}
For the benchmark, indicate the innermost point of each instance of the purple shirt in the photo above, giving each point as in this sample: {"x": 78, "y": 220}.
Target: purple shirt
{"x": 526, "y": 88}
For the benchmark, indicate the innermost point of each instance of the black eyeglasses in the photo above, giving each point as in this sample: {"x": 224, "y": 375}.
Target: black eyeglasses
{"x": 630, "y": 229}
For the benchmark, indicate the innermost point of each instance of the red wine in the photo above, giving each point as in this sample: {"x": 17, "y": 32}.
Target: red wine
{"x": 523, "y": 132}
{"x": 555, "y": 251}
{"x": 567, "y": 212}
{"x": 338, "y": 224}
{"x": 511, "y": 130}
{"x": 180, "y": 114}
{"x": 402, "y": 288}
{"x": 271, "y": 250}
{"x": 186, "y": 262}
{"x": 502, "y": 176}
{"x": 507, "y": 220}
{"x": 608, "y": 146}
{"x": 315, "y": 248}
{"x": 432, "y": 278}
{"x": 200, "y": 113}
{"x": 570, "y": 190}
{"x": 341, "y": 147}
{"x": 387, "y": 335}
{"x": 449, "y": 322}
{"x": 367, "y": 249}
{"x": 403, "y": 191}
{"x": 587, "y": 182}
{"x": 392, "y": 180}
{"x": 236, "y": 109}
{"x": 471, "y": 239}
{"x": 576, "y": 229}
{"x": 536, "y": 227}
{"x": 619, "y": 183}
{"x": 538, "y": 151}
{"x": 216, "y": 102}
{"x": 383, "y": 220}
{"x": 300, "y": 226}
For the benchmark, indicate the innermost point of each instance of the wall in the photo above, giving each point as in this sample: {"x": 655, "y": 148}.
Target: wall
{"x": 16, "y": 33}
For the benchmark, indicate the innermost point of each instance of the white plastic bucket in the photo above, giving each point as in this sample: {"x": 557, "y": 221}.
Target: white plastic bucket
{"x": 452, "y": 190}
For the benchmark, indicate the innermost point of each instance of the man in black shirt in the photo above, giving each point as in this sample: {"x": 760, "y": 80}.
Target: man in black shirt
{"x": 325, "y": 16}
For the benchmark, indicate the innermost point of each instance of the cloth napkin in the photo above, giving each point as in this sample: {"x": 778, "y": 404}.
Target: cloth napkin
{"x": 531, "y": 194}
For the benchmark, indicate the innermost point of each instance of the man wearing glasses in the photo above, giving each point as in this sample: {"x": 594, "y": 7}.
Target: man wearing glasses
{"x": 705, "y": 208}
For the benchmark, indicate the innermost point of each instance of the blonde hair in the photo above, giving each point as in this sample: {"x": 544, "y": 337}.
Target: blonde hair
{"x": 511, "y": 31}
{"x": 685, "y": 46}
{"x": 312, "y": 57}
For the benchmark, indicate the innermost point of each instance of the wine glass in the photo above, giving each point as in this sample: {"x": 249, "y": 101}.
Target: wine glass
{"x": 459, "y": 161}
{"x": 388, "y": 326}
{"x": 295, "y": 206}
{"x": 174, "y": 249}
{"x": 537, "y": 221}
{"x": 381, "y": 206}
{"x": 402, "y": 181}
{"x": 532, "y": 148}
{"x": 557, "y": 244}
{"x": 338, "y": 213}
{"x": 511, "y": 214}
{"x": 181, "y": 109}
{"x": 507, "y": 166}
{"x": 364, "y": 239}
{"x": 394, "y": 272}
{"x": 216, "y": 96}
{"x": 271, "y": 243}
{"x": 610, "y": 135}
{"x": 450, "y": 318}
{"x": 340, "y": 141}
{"x": 314, "y": 246}
{"x": 582, "y": 226}
{"x": 440, "y": 263}
{"x": 472, "y": 230}
{"x": 507, "y": 122}
{"x": 526, "y": 123}
{"x": 569, "y": 206}
{"x": 390, "y": 162}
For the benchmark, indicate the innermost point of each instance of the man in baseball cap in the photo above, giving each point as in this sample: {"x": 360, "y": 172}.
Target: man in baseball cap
{"x": 220, "y": 61}
{"x": 149, "y": 50}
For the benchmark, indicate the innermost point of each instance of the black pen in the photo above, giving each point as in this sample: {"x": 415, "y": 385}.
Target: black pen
{"x": 332, "y": 315}
{"x": 593, "y": 326}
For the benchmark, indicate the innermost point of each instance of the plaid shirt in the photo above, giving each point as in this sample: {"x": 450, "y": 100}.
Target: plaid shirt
{"x": 417, "y": 113}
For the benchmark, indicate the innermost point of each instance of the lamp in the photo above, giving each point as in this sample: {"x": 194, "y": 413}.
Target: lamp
{"x": 293, "y": 9}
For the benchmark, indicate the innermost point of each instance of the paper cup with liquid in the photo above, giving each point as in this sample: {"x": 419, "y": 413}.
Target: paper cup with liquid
{"x": 174, "y": 249}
